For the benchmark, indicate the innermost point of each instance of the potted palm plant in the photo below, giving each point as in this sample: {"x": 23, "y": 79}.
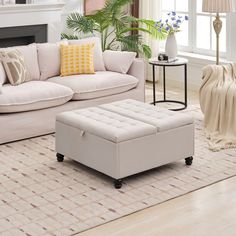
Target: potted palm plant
{"x": 117, "y": 29}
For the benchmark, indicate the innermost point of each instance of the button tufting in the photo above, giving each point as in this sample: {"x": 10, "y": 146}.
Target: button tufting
{"x": 162, "y": 119}
{"x": 124, "y": 120}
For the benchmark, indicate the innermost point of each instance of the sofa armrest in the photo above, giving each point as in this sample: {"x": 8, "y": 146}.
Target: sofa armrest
{"x": 137, "y": 70}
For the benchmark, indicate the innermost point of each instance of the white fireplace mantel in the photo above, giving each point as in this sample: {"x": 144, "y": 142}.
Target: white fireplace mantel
{"x": 23, "y": 8}
{"x": 34, "y": 14}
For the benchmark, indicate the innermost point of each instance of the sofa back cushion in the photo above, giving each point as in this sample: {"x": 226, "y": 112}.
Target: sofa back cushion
{"x": 118, "y": 61}
{"x": 31, "y": 59}
{"x": 3, "y": 76}
{"x": 49, "y": 59}
{"x": 15, "y": 67}
{"x": 30, "y": 55}
{"x": 98, "y": 57}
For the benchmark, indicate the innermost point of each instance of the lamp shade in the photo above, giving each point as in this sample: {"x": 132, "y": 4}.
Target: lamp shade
{"x": 218, "y": 6}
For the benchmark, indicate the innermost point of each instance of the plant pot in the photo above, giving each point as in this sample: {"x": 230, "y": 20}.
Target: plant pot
{"x": 171, "y": 48}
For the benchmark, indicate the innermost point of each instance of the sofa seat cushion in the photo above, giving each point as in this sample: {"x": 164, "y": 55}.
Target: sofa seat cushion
{"x": 33, "y": 95}
{"x": 101, "y": 84}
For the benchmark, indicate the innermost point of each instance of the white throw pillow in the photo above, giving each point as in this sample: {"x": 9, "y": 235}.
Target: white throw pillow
{"x": 98, "y": 57}
{"x": 49, "y": 59}
{"x": 3, "y": 76}
{"x": 118, "y": 61}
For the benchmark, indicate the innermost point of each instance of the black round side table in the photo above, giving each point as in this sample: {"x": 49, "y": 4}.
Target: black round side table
{"x": 178, "y": 62}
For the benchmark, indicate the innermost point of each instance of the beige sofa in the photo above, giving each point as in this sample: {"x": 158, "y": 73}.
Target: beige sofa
{"x": 29, "y": 109}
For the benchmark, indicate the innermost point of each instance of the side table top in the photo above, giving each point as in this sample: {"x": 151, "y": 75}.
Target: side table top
{"x": 180, "y": 61}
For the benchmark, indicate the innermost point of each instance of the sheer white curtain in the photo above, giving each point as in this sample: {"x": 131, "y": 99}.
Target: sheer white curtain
{"x": 150, "y": 9}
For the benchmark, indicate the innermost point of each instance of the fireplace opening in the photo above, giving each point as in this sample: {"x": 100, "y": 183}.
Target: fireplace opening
{"x": 22, "y": 35}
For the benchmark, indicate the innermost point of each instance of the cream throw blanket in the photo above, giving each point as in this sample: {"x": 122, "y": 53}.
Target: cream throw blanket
{"x": 218, "y": 103}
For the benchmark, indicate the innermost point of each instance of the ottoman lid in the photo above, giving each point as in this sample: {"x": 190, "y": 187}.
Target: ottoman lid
{"x": 162, "y": 119}
{"x": 106, "y": 124}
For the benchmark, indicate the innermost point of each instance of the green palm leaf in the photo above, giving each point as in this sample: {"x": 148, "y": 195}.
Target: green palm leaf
{"x": 118, "y": 30}
{"x": 79, "y": 23}
{"x": 145, "y": 50}
{"x": 130, "y": 42}
{"x": 69, "y": 37}
{"x": 150, "y": 25}
{"x": 114, "y": 5}
{"x": 130, "y": 29}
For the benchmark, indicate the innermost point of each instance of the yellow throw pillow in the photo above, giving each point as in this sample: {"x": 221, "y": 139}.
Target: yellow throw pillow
{"x": 77, "y": 59}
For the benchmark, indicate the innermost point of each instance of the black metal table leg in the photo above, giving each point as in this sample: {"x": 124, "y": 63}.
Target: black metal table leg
{"x": 164, "y": 82}
{"x": 185, "y": 85}
{"x": 154, "y": 85}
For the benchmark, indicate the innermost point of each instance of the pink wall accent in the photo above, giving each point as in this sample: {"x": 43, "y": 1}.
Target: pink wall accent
{"x": 93, "y": 5}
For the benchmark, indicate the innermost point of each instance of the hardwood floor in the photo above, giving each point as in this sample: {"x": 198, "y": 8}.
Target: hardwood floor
{"x": 174, "y": 93}
{"x": 208, "y": 211}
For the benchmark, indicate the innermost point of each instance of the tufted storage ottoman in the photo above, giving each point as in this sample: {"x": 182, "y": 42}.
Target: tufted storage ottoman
{"x": 124, "y": 138}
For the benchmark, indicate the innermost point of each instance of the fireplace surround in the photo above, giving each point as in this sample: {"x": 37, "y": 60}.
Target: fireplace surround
{"x": 30, "y": 19}
{"x": 22, "y": 35}
{"x": 20, "y": 1}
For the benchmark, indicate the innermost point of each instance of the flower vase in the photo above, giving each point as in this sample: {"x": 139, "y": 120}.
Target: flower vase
{"x": 171, "y": 48}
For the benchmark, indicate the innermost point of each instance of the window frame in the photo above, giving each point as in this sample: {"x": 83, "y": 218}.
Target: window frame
{"x": 192, "y": 30}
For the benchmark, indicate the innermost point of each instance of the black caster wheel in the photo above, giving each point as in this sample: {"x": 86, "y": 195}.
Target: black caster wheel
{"x": 60, "y": 157}
{"x": 118, "y": 183}
{"x": 189, "y": 161}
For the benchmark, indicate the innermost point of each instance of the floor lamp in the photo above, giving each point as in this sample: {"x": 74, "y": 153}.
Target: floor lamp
{"x": 218, "y": 6}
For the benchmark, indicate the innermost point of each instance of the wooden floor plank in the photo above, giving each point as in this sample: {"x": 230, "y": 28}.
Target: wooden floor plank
{"x": 208, "y": 211}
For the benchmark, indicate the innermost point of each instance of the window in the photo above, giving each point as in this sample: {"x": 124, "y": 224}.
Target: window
{"x": 197, "y": 35}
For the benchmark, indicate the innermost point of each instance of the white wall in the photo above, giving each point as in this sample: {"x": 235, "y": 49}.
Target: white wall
{"x": 71, "y": 6}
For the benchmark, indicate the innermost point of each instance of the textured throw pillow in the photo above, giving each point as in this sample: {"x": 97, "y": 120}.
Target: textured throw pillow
{"x": 77, "y": 59}
{"x": 98, "y": 58}
{"x": 49, "y": 59}
{"x": 118, "y": 61}
{"x": 3, "y": 76}
{"x": 31, "y": 59}
{"x": 14, "y": 65}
